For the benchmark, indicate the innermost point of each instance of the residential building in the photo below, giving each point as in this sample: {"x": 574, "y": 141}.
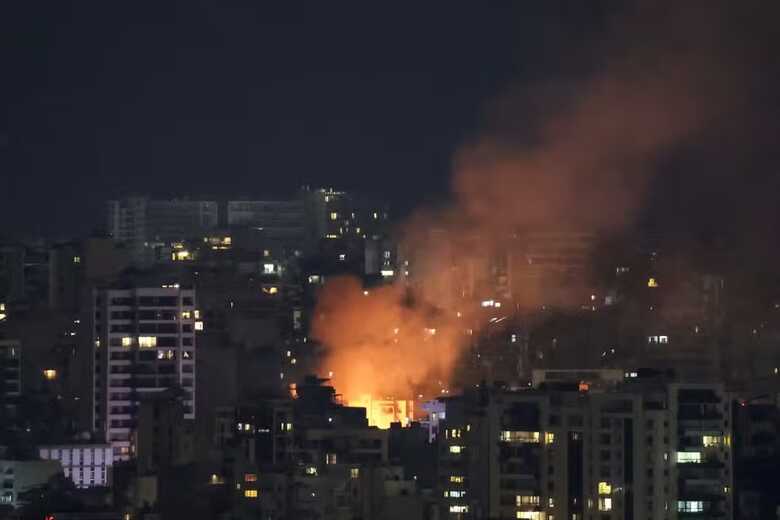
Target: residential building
{"x": 86, "y": 464}
{"x": 145, "y": 224}
{"x": 144, "y": 342}
{"x": 636, "y": 449}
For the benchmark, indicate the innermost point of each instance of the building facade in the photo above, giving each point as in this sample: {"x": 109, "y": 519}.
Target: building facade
{"x": 144, "y": 342}
{"x": 87, "y": 465}
{"x": 632, "y": 451}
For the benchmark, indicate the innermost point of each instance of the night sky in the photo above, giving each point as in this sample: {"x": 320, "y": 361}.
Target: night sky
{"x": 191, "y": 98}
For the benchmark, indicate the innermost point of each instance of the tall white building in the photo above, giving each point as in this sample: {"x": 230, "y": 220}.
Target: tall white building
{"x": 144, "y": 342}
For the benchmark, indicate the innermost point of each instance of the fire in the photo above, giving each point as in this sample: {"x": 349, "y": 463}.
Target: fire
{"x": 383, "y": 412}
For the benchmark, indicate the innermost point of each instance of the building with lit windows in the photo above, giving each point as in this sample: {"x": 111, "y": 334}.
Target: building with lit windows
{"x": 144, "y": 342}
{"x": 641, "y": 448}
{"x": 87, "y": 465}
{"x": 143, "y": 224}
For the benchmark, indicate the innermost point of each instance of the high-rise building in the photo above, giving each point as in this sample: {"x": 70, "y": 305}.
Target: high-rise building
{"x": 144, "y": 224}
{"x": 144, "y": 342}
{"x": 600, "y": 450}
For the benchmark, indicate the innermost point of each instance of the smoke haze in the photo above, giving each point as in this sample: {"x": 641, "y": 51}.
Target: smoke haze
{"x": 578, "y": 153}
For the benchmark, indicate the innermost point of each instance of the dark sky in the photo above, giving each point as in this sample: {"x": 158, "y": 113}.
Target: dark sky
{"x": 244, "y": 99}
{"x": 228, "y": 99}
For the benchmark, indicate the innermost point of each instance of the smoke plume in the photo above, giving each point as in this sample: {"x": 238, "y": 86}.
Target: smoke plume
{"x": 576, "y": 153}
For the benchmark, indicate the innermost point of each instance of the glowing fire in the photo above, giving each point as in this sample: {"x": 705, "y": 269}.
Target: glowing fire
{"x": 383, "y": 412}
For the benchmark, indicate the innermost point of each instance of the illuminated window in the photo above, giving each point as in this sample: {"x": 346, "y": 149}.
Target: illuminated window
{"x": 519, "y": 436}
{"x": 271, "y": 289}
{"x": 354, "y": 473}
{"x": 457, "y": 449}
{"x": 76, "y": 259}
{"x": 50, "y": 374}
{"x": 652, "y": 282}
{"x": 334, "y": 215}
{"x": 663, "y": 339}
{"x": 376, "y": 215}
{"x": 605, "y": 488}
{"x": 216, "y": 479}
{"x": 550, "y": 502}
{"x": 455, "y": 494}
{"x": 250, "y": 477}
{"x": 549, "y": 438}
{"x": 527, "y": 500}
{"x": 455, "y": 433}
{"x": 605, "y": 504}
{"x": 688, "y": 457}
{"x": 330, "y": 458}
{"x": 147, "y": 341}
{"x": 250, "y": 493}
{"x": 342, "y": 257}
{"x": 457, "y": 479}
{"x": 181, "y": 255}
{"x": 285, "y": 426}
{"x": 531, "y": 515}
{"x": 311, "y": 470}
{"x": 166, "y": 354}
{"x": 711, "y": 440}
{"x": 269, "y": 268}
{"x": 196, "y": 314}
{"x": 127, "y": 341}
{"x": 690, "y": 506}
{"x": 198, "y": 325}
{"x": 459, "y": 509}
{"x": 185, "y": 315}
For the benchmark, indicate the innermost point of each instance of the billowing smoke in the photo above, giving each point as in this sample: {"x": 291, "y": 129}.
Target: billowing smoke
{"x": 573, "y": 154}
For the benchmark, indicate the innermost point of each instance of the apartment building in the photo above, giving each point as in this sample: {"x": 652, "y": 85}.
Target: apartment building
{"x": 144, "y": 342}
{"x": 636, "y": 449}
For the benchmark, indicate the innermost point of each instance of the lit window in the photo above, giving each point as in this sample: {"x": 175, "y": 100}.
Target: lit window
{"x": 342, "y": 257}
{"x": 330, "y": 458}
{"x": 652, "y": 282}
{"x": 185, "y": 315}
{"x": 527, "y": 500}
{"x": 127, "y": 341}
{"x": 198, "y": 325}
{"x": 354, "y": 473}
{"x": 457, "y": 479}
{"x": 196, "y": 314}
{"x": 76, "y": 259}
{"x": 457, "y": 449}
{"x": 549, "y": 438}
{"x": 688, "y": 457}
{"x": 50, "y": 374}
{"x": 519, "y": 436}
{"x": 147, "y": 341}
{"x": 711, "y": 440}
{"x": 605, "y": 504}
{"x": 311, "y": 470}
{"x": 250, "y": 493}
{"x": 663, "y": 339}
{"x": 455, "y": 494}
{"x": 269, "y": 268}
{"x": 531, "y": 515}
{"x": 459, "y": 509}
{"x": 550, "y": 502}
{"x": 165, "y": 354}
{"x": 690, "y": 506}
{"x": 605, "y": 488}
{"x": 250, "y": 477}
{"x": 334, "y": 215}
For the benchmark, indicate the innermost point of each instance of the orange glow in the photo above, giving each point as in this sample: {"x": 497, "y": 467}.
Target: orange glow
{"x": 383, "y": 412}
{"x": 379, "y": 344}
